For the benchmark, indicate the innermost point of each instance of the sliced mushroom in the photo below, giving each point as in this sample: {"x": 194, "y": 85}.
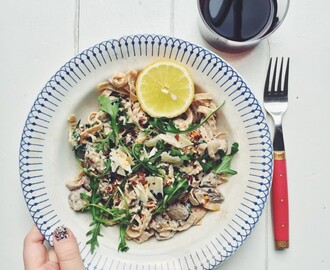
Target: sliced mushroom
{"x": 178, "y": 211}
{"x": 212, "y": 180}
{"x": 75, "y": 200}
{"x": 197, "y": 213}
{"x": 80, "y": 180}
{"x": 209, "y": 198}
{"x": 160, "y": 224}
{"x": 192, "y": 198}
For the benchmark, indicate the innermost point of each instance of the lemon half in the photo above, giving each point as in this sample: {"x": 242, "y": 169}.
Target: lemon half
{"x": 165, "y": 88}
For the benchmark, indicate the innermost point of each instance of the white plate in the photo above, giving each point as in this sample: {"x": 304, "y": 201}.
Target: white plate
{"x": 46, "y": 159}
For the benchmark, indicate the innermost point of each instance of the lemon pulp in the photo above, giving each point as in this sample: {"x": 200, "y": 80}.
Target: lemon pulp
{"x": 165, "y": 88}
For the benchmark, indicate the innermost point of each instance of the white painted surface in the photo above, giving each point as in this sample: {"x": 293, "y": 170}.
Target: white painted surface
{"x": 37, "y": 37}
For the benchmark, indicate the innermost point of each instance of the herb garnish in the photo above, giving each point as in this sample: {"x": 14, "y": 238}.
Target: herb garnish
{"x": 93, "y": 199}
{"x": 166, "y": 125}
{"x": 137, "y": 151}
{"x": 224, "y": 165}
{"x": 104, "y": 173}
{"x": 105, "y": 215}
{"x": 172, "y": 193}
{"x": 111, "y": 107}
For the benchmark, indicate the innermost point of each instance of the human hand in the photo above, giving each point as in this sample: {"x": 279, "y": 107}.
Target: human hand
{"x": 65, "y": 254}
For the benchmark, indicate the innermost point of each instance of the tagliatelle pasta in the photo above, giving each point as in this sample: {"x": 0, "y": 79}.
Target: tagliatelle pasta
{"x": 153, "y": 177}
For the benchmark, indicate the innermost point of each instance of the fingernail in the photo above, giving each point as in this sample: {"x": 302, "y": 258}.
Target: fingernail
{"x": 60, "y": 233}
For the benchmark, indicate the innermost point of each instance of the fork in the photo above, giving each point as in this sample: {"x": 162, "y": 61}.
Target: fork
{"x": 276, "y": 103}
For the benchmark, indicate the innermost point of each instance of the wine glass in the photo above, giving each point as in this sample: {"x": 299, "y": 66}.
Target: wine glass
{"x": 238, "y": 25}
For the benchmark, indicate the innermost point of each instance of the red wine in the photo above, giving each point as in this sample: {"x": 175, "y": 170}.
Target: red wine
{"x": 239, "y": 20}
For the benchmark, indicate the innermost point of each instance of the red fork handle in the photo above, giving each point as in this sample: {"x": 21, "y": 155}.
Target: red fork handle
{"x": 280, "y": 203}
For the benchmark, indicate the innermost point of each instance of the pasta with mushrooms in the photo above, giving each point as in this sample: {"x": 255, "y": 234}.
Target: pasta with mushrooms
{"x": 153, "y": 177}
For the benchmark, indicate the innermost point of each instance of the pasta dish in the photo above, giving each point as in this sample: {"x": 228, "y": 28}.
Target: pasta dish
{"x": 152, "y": 177}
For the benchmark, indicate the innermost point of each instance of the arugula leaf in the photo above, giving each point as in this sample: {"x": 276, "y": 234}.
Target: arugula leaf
{"x": 90, "y": 174}
{"x": 111, "y": 107}
{"x": 123, "y": 225}
{"x": 125, "y": 201}
{"x": 85, "y": 197}
{"x": 102, "y": 143}
{"x": 122, "y": 234}
{"x": 224, "y": 166}
{"x": 115, "y": 214}
{"x": 185, "y": 157}
{"x": 95, "y": 232}
{"x": 172, "y": 193}
{"x": 137, "y": 150}
{"x": 206, "y": 164}
{"x": 176, "y": 152}
{"x": 102, "y": 215}
{"x": 95, "y": 198}
{"x": 167, "y": 126}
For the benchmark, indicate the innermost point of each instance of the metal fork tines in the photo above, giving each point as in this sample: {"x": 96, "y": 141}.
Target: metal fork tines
{"x": 276, "y": 103}
{"x": 276, "y": 98}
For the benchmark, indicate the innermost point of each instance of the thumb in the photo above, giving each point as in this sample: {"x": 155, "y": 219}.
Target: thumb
{"x": 66, "y": 249}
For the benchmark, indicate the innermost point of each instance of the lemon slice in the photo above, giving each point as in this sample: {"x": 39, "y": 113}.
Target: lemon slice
{"x": 165, "y": 88}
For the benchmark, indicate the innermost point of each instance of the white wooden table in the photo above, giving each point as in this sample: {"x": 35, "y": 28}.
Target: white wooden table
{"x": 37, "y": 37}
